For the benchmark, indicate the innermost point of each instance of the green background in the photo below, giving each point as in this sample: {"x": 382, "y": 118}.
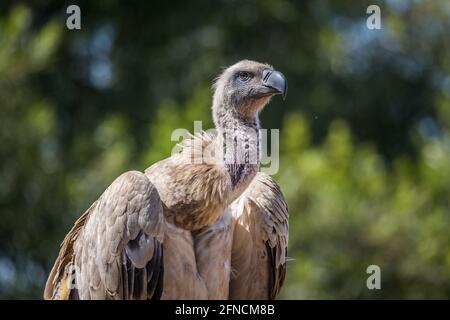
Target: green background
{"x": 364, "y": 132}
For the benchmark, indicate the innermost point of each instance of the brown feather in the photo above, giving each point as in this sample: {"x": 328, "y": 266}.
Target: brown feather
{"x": 260, "y": 241}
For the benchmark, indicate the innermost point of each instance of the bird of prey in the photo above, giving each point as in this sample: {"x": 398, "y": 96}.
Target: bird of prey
{"x": 201, "y": 224}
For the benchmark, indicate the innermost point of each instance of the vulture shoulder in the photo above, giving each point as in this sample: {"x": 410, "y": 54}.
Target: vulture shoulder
{"x": 114, "y": 250}
{"x": 194, "y": 185}
{"x": 260, "y": 241}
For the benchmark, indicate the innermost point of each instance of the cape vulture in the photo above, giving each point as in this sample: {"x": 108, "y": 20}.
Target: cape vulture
{"x": 201, "y": 224}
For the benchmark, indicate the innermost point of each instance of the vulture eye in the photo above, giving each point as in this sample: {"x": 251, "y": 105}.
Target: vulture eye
{"x": 244, "y": 76}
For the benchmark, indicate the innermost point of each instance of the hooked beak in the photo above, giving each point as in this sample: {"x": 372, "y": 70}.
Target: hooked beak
{"x": 276, "y": 81}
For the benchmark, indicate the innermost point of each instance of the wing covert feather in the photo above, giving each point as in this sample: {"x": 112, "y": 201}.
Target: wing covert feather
{"x": 115, "y": 248}
{"x": 260, "y": 241}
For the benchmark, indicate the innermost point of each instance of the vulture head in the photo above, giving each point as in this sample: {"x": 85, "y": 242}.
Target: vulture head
{"x": 244, "y": 89}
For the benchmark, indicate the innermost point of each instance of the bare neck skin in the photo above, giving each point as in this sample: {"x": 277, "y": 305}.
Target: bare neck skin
{"x": 239, "y": 137}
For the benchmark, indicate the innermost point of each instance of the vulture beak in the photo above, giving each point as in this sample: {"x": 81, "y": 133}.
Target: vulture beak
{"x": 276, "y": 81}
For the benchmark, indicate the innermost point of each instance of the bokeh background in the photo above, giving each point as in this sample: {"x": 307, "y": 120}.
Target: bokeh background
{"x": 365, "y": 130}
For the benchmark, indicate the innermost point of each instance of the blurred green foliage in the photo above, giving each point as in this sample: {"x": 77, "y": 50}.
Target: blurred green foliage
{"x": 365, "y": 131}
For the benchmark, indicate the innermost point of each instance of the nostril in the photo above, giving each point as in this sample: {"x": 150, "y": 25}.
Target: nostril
{"x": 266, "y": 74}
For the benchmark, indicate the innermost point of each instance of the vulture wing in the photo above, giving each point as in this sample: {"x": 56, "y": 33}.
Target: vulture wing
{"x": 114, "y": 250}
{"x": 260, "y": 240}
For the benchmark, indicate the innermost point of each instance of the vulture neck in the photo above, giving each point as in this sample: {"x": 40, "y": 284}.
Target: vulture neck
{"x": 239, "y": 138}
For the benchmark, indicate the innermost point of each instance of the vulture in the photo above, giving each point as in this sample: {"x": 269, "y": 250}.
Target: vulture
{"x": 201, "y": 224}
